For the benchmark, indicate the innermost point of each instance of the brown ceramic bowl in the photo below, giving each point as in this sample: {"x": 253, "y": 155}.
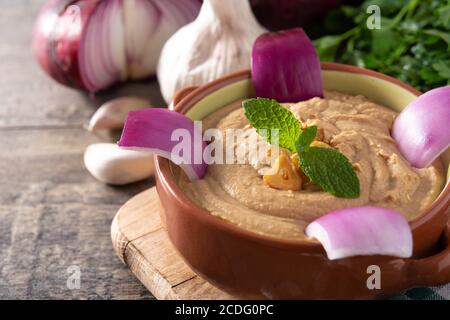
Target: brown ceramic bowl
{"x": 250, "y": 265}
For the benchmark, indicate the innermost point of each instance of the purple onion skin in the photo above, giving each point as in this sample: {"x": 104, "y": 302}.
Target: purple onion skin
{"x": 56, "y": 45}
{"x": 285, "y": 67}
{"x": 151, "y": 128}
{"x": 422, "y": 130}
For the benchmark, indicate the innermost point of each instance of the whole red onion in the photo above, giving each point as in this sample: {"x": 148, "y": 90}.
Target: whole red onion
{"x": 92, "y": 44}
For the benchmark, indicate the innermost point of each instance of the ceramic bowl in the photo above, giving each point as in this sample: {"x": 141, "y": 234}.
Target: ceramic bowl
{"x": 251, "y": 265}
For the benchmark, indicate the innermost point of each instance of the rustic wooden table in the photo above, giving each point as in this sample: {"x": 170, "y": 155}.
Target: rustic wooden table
{"x": 53, "y": 214}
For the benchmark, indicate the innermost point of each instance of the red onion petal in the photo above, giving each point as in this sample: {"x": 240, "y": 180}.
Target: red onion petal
{"x": 116, "y": 37}
{"x": 285, "y": 67}
{"x": 105, "y": 45}
{"x": 151, "y": 129}
{"x": 362, "y": 230}
{"x": 94, "y": 52}
{"x": 138, "y": 30}
{"x": 422, "y": 130}
{"x": 97, "y": 67}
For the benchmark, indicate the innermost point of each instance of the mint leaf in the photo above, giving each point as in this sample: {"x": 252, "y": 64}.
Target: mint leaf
{"x": 331, "y": 170}
{"x": 306, "y": 138}
{"x": 266, "y": 115}
{"x": 327, "y": 167}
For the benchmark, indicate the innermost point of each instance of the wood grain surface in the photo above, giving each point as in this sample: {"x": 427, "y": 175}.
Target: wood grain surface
{"x": 142, "y": 244}
{"x": 53, "y": 214}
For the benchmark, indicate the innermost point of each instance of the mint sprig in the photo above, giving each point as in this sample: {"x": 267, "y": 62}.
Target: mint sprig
{"x": 266, "y": 115}
{"x": 326, "y": 167}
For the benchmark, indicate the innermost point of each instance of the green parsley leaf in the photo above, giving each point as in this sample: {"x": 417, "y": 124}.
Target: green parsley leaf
{"x": 443, "y": 35}
{"x": 413, "y": 36}
{"x": 266, "y": 115}
{"x": 331, "y": 170}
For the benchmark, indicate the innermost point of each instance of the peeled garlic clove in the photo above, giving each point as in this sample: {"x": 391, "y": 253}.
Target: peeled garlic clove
{"x": 112, "y": 165}
{"x": 283, "y": 175}
{"x": 112, "y": 114}
{"x": 218, "y": 42}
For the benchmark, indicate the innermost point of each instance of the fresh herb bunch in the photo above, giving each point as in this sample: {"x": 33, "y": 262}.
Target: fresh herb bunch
{"x": 412, "y": 45}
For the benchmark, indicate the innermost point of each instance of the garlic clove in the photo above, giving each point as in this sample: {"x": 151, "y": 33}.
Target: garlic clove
{"x": 218, "y": 42}
{"x": 112, "y": 114}
{"x": 112, "y": 165}
{"x": 283, "y": 175}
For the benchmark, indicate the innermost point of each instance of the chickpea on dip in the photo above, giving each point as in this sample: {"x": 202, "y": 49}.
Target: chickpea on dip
{"x": 355, "y": 126}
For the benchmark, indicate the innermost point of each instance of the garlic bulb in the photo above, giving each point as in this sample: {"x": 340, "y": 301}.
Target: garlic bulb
{"x": 219, "y": 41}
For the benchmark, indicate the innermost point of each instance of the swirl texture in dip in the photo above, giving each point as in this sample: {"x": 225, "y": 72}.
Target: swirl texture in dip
{"x": 354, "y": 125}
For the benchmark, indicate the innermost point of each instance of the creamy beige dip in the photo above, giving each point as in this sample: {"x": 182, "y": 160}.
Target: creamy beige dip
{"x": 358, "y": 128}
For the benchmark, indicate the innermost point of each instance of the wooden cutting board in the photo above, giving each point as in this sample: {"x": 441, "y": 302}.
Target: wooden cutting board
{"x": 142, "y": 244}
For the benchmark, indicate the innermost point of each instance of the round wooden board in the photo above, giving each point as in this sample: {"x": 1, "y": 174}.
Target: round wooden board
{"x": 142, "y": 244}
